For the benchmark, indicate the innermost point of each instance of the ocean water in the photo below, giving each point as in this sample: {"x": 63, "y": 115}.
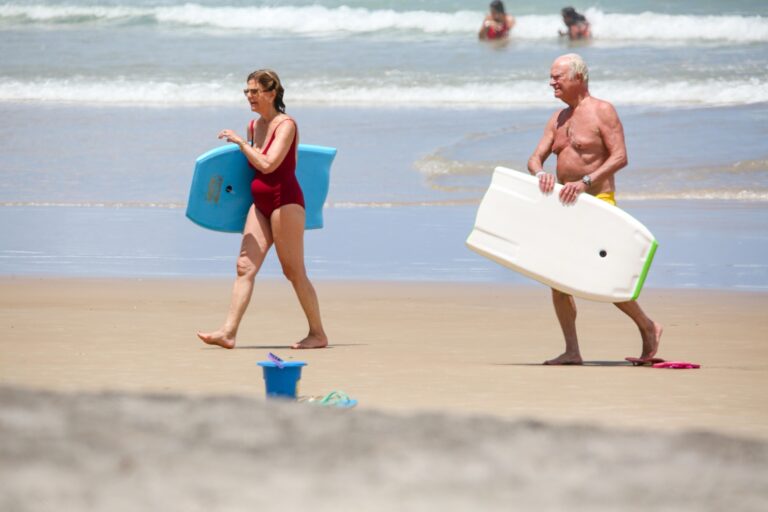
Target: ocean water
{"x": 106, "y": 104}
{"x": 394, "y": 53}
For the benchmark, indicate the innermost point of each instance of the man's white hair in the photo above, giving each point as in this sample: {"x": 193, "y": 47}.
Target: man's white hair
{"x": 577, "y": 66}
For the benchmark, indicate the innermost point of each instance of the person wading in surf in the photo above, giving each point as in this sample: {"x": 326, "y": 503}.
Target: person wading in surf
{"x": 577, "y": 24}
{"x": 497, "y": 23}
{"x": 588, "y": 139}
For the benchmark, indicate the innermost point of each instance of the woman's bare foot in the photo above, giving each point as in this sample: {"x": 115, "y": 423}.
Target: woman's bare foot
{"x": 311, "y": 341}
{"x": 651, "y": 340}
{"x": 217, "y": 338}
{"x": 565, "y": 359}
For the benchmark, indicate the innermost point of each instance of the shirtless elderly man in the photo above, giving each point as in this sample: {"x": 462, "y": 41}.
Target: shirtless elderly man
{"x": 588, "y": 139}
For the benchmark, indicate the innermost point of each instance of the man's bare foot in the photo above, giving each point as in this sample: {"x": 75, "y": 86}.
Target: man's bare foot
{"x": 651, "y": 340}
{"x": 565, "y": 360}
{"x": 311, "y": 341}
{"x": 217, "y": 338}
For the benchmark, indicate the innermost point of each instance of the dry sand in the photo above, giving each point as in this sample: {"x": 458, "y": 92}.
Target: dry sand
{"x": 458, "y": 364}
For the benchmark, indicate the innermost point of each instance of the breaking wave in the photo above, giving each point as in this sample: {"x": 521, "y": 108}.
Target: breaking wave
{"x": 344, "y": 21}
{"x": 510, "y": 94}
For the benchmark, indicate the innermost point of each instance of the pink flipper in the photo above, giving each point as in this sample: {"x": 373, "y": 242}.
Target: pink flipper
{"x": 677, "y": 365}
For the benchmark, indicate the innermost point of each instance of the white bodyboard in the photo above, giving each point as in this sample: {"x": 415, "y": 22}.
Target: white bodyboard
{"x": 589, "y": 249}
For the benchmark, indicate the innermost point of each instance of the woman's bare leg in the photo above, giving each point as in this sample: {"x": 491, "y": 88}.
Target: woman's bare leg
{"x": 288, "y": 232}
{"x": 257, "y": 239}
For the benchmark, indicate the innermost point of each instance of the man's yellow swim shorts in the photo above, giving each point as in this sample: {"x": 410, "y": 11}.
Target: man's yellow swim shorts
{"x": 608, "y": 197}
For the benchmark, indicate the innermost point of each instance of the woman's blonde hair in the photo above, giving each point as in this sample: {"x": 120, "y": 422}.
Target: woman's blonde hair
{"x": 269, "y": 81}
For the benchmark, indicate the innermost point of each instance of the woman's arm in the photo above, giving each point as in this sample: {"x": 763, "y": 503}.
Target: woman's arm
{"x": 270, "y": 161}
{"x": 483, "y": 33}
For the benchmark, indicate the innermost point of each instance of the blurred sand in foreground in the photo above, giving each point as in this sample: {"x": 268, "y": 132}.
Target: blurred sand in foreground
{"x": 404, "y": 347}
{"x": 125, "y": 452}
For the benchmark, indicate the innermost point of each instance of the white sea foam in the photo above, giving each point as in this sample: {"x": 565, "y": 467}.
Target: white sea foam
{"x": 163, "y": 205}
{"x": 538, "y": 93}
{"x": 755, "y": 195}
{"x": 119, "y": 92}
{"x": 341, "y": 21}
{"x": 510, "y": 94}
{"x": 40, "y": 13}
{"x": 650, "y": 26}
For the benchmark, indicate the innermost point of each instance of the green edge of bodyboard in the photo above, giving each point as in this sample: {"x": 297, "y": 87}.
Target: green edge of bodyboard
{"x": 646, "y": 268}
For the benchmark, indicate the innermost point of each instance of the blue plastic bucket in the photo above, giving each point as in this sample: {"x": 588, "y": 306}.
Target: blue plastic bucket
{"x": 282, "y": 382}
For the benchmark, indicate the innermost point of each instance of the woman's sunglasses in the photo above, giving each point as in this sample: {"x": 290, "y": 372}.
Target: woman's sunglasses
{"x": 253, "y": 92}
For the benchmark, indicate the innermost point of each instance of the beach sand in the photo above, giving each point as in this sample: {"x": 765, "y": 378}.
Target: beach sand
{"x": 455, "y": 409}
{"x": 461, "y": 348}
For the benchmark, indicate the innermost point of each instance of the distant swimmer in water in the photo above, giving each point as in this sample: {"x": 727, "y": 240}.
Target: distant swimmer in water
{"x": 577, "y": 24}
{"x": 497, "y": 23}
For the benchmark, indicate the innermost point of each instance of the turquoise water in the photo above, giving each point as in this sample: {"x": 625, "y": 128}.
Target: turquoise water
{"x": 106, "y": 104}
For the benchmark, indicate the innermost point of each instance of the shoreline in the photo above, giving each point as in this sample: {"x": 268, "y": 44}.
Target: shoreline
{"x": 524, "y": 284}
{"x": 701, "y": 245}
{"x": 457, "y": 348}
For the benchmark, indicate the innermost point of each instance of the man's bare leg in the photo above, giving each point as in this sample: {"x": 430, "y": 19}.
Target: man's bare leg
{"x": 288, "y": 230}
{"x": 257, "y": 239}
{"x": 650, "y": 331}
{"x": 565, "y": 308}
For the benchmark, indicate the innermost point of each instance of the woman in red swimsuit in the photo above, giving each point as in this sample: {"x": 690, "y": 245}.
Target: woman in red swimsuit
{"x": 497, "y": 23}
{"x": 277, "y": 215}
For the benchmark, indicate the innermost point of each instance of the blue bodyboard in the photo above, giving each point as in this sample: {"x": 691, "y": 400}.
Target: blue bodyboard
{"x": 220, "y": 194}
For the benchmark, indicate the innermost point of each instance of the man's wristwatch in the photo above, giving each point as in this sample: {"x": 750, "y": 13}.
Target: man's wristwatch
{"x": 586, "y": 180}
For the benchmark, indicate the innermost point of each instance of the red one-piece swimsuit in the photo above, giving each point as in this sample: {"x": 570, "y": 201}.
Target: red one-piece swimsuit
{"x": 272, "y": 190}
{"x": 493, "y": 34}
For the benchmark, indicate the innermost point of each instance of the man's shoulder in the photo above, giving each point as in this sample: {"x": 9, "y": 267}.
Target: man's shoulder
{"x": 602, "y": 106}
{"x": 604, "y": 110}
